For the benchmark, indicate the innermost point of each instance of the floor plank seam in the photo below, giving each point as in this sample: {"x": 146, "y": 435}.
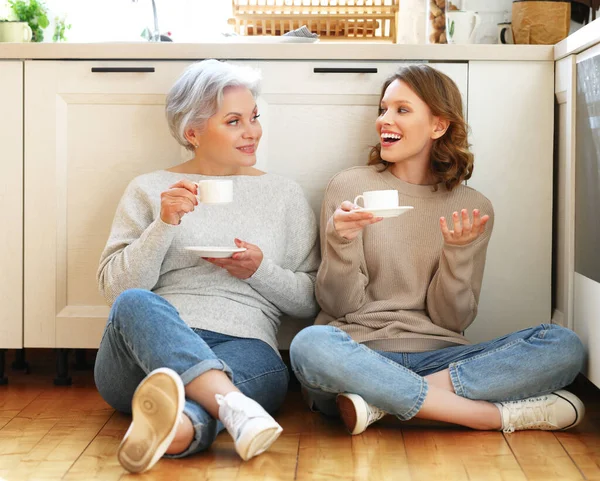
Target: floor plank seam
{"x": 27, "y": 405}
{"x": 88, "y": 444}
{"x": 405, "y": 450}
{"x": 297, "y": 456}
{"x": 570, "y": 457}
{"x": 514, "y": 455}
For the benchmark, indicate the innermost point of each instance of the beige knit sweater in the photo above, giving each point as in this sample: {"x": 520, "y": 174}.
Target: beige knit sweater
{"x": 398, "y": 286}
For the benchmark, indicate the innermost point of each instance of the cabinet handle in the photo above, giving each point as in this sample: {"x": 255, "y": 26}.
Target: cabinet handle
{"x": 123, "y": 69}
{"x": 344, "y": 70}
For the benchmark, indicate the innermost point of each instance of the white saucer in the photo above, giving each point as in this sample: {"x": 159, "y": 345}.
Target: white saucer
{"x": 393, "y": 212}
{"x": 216, "y": 252}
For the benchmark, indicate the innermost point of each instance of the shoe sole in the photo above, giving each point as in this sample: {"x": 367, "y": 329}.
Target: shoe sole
{"x": 351, "y": 412}
{"x": 577, "y": 406}
{"x": 152, "y": 429}
{"x": 256, "y": 438}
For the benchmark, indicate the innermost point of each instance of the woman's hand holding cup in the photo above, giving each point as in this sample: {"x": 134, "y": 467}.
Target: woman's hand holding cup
{"x": 349, "y": 222}
{"x": 178, "y": 201}
{"x": 185, "y": 195}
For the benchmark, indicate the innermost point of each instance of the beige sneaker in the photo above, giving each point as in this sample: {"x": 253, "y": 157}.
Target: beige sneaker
{"x": 559, "y": 410}
{"x": 156, "y": 408}
{"x": 356, "y": 413}
{"x": 252, "y": 428}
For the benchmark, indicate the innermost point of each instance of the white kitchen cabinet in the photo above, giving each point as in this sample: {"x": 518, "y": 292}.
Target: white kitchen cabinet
{"x": 317, "y": 124}
{"x": 87, "y": 134}
{"x": 510, "y": 111}
{"x": 318, "y": 119}
{"x": 11, "y": 200}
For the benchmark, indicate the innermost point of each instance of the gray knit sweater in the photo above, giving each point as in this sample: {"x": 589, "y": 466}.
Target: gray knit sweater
{"x": 269, "y": 211}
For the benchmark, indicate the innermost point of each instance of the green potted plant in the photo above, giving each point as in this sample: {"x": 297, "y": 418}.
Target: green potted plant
{"x": 35, "y": 13}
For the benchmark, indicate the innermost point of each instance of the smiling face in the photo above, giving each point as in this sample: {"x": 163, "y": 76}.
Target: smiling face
{"x": 231, "y": 136}
{"x": 406, "y": 126}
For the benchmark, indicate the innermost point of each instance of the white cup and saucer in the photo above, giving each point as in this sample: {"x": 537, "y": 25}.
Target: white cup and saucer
{"x": 381, "y": 203}
{"x": 214, "y": 192}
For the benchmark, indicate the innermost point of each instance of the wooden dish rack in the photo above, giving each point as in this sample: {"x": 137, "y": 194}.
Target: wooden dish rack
{"x": 330, "y": 19}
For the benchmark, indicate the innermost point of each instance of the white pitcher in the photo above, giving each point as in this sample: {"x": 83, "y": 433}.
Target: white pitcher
{"x": 461, "y": 26}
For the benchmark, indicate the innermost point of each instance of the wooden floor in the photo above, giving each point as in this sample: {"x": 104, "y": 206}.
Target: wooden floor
{"x": 70, "y": 433}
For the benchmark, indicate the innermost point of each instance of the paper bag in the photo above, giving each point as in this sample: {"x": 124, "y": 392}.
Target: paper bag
{"x": 540, "y": 23}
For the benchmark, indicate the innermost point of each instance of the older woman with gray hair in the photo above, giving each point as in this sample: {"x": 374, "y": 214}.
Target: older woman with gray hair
{"x": 190, "y": 345}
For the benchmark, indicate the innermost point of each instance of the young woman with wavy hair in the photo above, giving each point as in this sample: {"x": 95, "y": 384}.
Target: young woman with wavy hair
{"x": 397, "y": 293}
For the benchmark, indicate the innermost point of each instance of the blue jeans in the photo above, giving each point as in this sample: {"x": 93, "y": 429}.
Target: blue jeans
{"x": 144, "y": 332}
{"x": 526, "y": 363}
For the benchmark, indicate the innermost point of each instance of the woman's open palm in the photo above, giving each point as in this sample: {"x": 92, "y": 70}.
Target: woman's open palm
{"x": 464, "y": 231}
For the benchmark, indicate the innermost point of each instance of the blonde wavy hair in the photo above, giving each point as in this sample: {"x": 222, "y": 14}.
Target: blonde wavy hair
{"x": 451, "y": 161}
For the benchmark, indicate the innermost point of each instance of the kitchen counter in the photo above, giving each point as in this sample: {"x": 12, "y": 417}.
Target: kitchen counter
{"x": 287, "y": 51}
{"x": 582, "y": 39}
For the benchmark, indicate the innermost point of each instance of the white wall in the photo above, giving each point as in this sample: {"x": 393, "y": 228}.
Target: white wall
{"x": 187, "y": 20}
{"x": 489, "y": 5}
{"x": 124, "y": 20}
{"x": 491, "y": 12}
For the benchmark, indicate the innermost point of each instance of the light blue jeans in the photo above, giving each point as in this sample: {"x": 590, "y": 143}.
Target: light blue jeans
{"x": 144, "y": 332}
{"x": 526, "y": 363}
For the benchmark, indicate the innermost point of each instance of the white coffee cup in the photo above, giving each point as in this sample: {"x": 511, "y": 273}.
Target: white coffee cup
{"x": 505, "y": 33}
{"x": 378, "y": 199}
{"x": 215, "y": 191}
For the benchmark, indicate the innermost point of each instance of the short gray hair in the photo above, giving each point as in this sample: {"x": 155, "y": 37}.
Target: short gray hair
{"x": 198, "y": 93}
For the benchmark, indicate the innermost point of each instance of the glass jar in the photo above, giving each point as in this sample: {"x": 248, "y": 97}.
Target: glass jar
{"x": 436, "y": 18}
{"x": 452, "y": 5}
{"x": 436, "y": 21}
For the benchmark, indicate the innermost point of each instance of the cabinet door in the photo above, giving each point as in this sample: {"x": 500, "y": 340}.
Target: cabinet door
{"x": 87, "y": 135}
{"x": 511, "y": 107}
{"x": 11, "y": 199}
{"x": 316, "y": 124}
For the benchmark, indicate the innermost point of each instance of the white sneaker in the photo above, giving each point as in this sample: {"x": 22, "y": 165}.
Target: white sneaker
{"x": 251, "y": 427}
{"x": 356, "y": 413}
{"x": 156, "y": 408}
{"x": 559, "y": 410}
